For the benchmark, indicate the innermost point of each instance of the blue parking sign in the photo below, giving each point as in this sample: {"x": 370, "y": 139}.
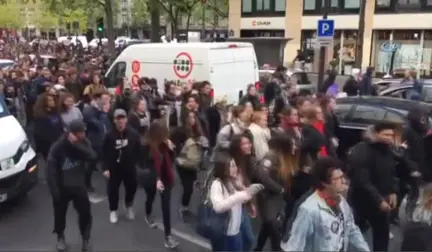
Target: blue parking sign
{"x": 325, "y": 28}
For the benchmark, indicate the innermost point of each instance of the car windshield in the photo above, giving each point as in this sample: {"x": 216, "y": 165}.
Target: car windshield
{"x": 427, "y": 93}
{"x": 5, "y": 64}
{"x": 3, "y": 111}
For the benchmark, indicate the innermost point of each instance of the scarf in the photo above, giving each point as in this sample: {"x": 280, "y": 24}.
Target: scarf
{"x": 319, "y": 125}
{"x": 159, "y": 157}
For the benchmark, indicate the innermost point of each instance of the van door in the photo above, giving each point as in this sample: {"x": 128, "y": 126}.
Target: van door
{"x": 246, "y": 67}
{"x": 116, "y": 71}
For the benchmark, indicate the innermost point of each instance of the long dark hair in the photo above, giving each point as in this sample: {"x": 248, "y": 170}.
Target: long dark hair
{"x": 40, "y": 107}
{"x": 282, "y": 145}
{"x": 193, "y": 131}
{"x": 221, "y": 170}
{"x": 156, "y": 135}
{"x": 240, "y": 158}
{"x": 63, "y": 96}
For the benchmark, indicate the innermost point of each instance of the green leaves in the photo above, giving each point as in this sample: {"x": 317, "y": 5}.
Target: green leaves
{"x": 140, "y": 12}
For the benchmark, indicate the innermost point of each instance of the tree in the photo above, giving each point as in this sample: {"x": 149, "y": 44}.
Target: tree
{"x": 218, "y": 8}
{"x": 214, "y": 11}
{"x": 140, "y": 13}
{"x": 108, "y": 7}
{"x": 10, "y": 15}
{"x": 175, "y": 9}
{"x": 78, "y": 15}
{"x": 44, "y": 19}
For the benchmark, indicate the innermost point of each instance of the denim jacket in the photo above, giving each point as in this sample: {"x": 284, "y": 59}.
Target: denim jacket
{"x": 316, "y": 227}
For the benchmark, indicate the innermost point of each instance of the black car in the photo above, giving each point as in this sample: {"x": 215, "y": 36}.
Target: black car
{"x": 356, "y": 113}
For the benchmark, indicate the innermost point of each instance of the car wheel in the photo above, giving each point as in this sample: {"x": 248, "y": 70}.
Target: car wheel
{"x": 17, "y": 200}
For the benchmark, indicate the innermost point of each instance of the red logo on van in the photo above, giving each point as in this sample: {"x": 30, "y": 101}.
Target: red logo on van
{"x": 183, "y": 65}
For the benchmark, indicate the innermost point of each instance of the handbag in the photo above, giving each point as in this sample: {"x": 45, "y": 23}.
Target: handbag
{"x": 211, "y": 224}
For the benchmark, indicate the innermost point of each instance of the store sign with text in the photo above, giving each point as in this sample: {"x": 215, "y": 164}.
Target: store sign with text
{"x": 275, "y": 23}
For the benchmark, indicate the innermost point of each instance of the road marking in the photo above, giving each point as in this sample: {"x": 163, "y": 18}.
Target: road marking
{"x": 185, "y": 236}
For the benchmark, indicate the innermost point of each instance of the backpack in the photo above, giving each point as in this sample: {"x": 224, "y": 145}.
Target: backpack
{"x": 190, "y": 154}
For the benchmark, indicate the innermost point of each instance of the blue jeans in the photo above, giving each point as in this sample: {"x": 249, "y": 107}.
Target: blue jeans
{"x": 233, "y": 242}
{"x": 246, "y": 231}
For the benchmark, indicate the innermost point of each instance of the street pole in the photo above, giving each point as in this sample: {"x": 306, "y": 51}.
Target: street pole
{"x": 203, "y": 19}
{"x": 322, "y": 53}
{"x": 360, "y": 35}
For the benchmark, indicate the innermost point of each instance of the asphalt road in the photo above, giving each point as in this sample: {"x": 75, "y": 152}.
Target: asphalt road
{"x": 27, "y": 225}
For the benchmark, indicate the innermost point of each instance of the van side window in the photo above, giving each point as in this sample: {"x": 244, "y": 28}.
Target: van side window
{"x": 119, "y": 70}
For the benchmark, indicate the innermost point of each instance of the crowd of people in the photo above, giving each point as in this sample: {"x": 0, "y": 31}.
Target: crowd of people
{"x": 275, "y": 161}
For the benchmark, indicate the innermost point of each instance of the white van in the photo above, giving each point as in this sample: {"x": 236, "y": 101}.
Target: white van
{"x": 73, "y": 40}
{"x": 229, "y": 67}
{"x": 18, "y": 162}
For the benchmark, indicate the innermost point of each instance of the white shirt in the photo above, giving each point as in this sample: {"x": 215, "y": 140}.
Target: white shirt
{"x": 222, "y": 201}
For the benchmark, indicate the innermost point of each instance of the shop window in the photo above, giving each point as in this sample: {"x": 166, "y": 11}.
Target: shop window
{"x": 247, "y": 6}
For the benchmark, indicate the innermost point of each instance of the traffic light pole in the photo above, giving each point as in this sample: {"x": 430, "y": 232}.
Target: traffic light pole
{"x": 322, "y": 54}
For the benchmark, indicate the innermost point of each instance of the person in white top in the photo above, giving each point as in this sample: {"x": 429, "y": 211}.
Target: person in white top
{"x": 261, "y": 134}
{"x": 227, "y": 193}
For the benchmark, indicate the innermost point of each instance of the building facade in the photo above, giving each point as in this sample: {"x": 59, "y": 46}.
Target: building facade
{"x": 405, "y": 25}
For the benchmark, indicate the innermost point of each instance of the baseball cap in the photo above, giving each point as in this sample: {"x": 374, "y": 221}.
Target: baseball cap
{"x": 76, "y": 126}
{"x": 119, "y": 113}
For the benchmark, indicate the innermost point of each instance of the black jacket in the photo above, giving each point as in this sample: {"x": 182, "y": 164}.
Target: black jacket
{"x": 121, "y": 150}
{"x": 66, "y": 167}
{"x": 351, "y": 87}
{"x": 311, "y": 143}
{"x": 372, "y": 174}
{"x": 47, "y": 129}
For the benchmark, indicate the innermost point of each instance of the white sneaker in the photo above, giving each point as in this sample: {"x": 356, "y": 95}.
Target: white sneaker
{"x": 130, "y": 213}
{"x": 113, "y": 217}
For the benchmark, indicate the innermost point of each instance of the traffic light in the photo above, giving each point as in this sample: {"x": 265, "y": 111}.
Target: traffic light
{"x": 100, "y": 25}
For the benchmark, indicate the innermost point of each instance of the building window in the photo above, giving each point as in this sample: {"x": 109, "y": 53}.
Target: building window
{"x": 246, "y": 5}
{"x": 309, "y": 4}
{"x": 352, "y": 4}
{"x": 262, "y": 5}
{"x": 333, "y": 3}
{"x": 409, "y": 2}
{"x": 280, "y": 5}
{"x": 383, "y": 3}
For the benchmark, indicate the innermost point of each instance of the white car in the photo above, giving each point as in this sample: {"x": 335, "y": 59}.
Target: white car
{"x": 73, "y": 40}
{"x": 6, "y": 63}
{"x": 95, "y": 42}
{"x": 18, "y": 162}
{"x": 121, "y": 41}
